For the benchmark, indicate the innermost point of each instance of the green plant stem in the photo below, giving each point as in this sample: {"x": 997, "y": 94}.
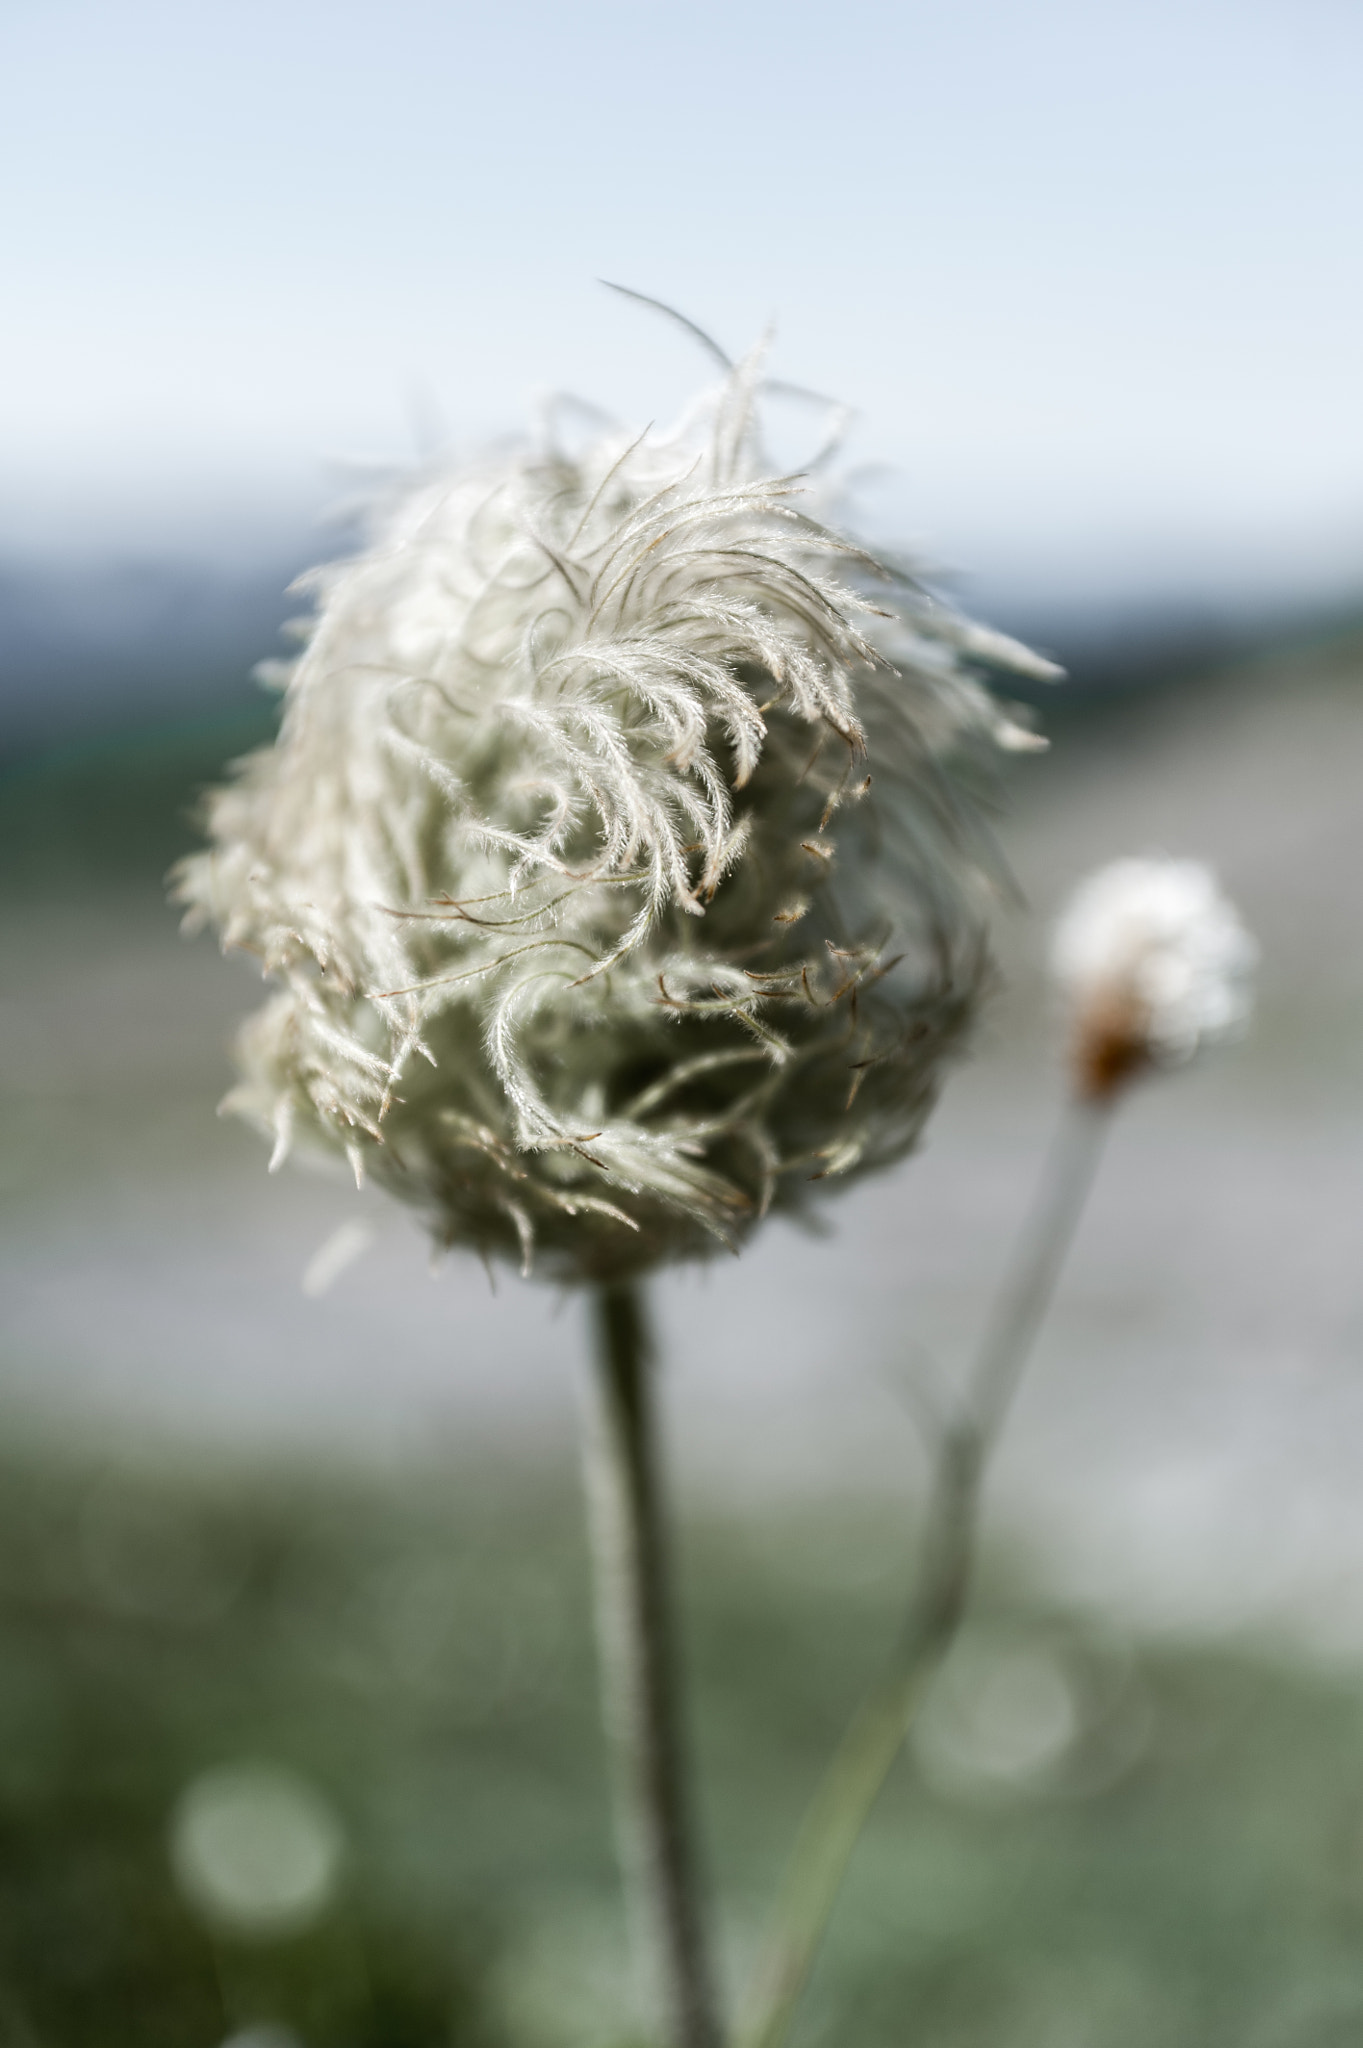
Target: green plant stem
{"x": 638, "y": 1659}
{"x": 937, "y": 1603}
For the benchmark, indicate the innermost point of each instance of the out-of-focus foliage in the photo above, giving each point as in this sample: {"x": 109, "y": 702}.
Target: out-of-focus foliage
{"x": 114, "y": 811}
{"x": 1148, "y": 1848}
{"x": 1154, "y": 1848}
{"x": 148, "y": 1635}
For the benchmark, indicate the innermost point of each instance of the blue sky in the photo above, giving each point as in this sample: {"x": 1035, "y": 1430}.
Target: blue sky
{"x": 1092, "y": 275}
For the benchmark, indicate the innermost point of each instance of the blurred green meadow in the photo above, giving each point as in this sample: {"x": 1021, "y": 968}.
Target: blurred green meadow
{"x": 298, "y": 1737}
{"x": 1175, "y": 1858}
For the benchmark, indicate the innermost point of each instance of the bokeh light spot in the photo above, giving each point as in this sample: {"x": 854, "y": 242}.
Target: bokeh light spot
{"x": 256, "y": 1850}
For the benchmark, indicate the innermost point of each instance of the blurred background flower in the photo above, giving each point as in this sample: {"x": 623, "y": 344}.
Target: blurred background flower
{"x": 1154, "y": 964}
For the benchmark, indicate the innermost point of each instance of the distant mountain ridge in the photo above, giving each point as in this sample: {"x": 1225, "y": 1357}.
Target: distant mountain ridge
{"x": 95, "y": 647}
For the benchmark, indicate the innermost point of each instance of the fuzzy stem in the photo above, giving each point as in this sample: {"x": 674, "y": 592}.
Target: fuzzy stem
{"x": 638, "y": 1660}
{"x": 937, "y": 1603}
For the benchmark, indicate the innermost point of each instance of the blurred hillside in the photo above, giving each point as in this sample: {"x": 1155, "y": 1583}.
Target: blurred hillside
{"x": 91, "y": 649}
{"x": 1202, "y": 1362}
{"x": 339, "y": 1533}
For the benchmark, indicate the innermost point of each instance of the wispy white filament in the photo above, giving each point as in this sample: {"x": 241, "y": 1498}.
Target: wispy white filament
{"x": 588, "y": 933}
{"x": 350, "y": 1241}
{"x": 1157, "y": 941}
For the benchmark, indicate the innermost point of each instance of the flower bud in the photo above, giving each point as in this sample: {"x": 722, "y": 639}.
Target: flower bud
{"x": 1155, "y": 964}
{"x": 591, "y": 938}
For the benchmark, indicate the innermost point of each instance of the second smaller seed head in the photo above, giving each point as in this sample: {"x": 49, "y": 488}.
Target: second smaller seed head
{"x": 1155, "y": 963}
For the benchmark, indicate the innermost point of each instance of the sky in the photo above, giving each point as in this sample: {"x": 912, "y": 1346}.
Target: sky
{"x": 1090, "y": 274}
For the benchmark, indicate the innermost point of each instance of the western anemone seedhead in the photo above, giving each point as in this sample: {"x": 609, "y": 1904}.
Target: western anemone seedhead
{"x": 1155, "y": 964}
{"x": 591, "y": 938}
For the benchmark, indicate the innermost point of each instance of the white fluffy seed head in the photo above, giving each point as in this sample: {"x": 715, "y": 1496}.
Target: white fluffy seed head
{"x": 1155, "y": 964}
{"x": 590, "y": 938}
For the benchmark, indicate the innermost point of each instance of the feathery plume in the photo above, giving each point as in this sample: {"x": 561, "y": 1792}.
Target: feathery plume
{"x": 589, "y": 937}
